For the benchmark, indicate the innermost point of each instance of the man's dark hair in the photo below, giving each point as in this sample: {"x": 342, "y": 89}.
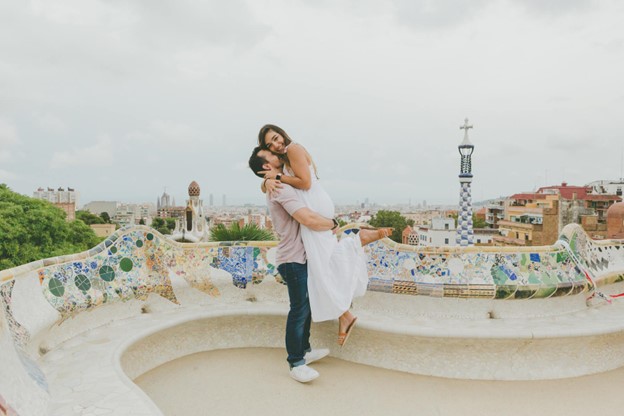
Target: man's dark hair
{"x": 256, "y": 162}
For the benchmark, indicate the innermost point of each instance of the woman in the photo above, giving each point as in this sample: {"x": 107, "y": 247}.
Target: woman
{"x": 336, "y": 270}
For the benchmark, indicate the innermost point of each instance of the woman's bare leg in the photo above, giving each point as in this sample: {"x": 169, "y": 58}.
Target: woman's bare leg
{"x": 370, "y": 236}
{"x": 344, "y": 321}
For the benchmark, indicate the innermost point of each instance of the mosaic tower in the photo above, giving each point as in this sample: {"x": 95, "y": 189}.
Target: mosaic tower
{"x": 192, "y": 226}
{"x": 464, "y": 219}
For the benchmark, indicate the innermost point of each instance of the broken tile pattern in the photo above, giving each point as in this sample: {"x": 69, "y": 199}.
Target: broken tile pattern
{"x": 600, "y": 258}
{"x": 20, "y": 336}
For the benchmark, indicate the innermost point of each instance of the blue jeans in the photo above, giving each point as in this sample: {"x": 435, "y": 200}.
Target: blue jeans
{"x": 299, "y": 317}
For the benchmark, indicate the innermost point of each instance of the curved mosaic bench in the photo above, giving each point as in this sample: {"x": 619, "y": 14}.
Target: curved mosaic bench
{"x": 125, "y": 271}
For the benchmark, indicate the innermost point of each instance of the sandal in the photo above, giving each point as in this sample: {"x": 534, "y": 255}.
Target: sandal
{"x": 344, "y": 336}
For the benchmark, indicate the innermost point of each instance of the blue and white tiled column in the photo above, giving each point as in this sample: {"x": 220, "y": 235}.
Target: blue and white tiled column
{"x": 464, "y": 218}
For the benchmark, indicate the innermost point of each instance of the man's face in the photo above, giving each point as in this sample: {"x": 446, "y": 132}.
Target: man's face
{"x": 272, "y": 159}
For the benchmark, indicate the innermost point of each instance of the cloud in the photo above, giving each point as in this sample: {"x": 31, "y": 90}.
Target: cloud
{"x": 164, "y": 132}
{"x": 241, "y": 166}
{"x": 100, "y": 154}
{"x": 6, "y": 175}
{"x": 432, "y": 14}
{"x": 50, "y": 123}
{"x": 8, "y": 133}
{"x": 8, "y": 139}
{"x": 556, "y": 7}
{"x": 195, "y": 23}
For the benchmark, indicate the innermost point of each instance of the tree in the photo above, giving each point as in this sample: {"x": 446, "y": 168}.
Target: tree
{"x": 89, "y": 218}
{"x": 171, "y": 223}
{"x": 105, "y": 217}
{"x": 392, "y": 219}
{"x": 33, "y": 229}
{"x": 248, "y": 232}
{"x": 141, "y": 221}
{"x": 476, "y": 222}
{"x": 160, "y": 225}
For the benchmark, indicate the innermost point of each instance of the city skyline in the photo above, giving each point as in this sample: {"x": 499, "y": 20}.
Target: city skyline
{"x": 120, "y": 100}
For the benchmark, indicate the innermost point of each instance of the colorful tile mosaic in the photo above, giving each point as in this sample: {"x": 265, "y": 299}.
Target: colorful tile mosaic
{"x": 138, "y": 261}
{"x": 19, "y": 333}
{"x": 603, "y": 260}
{"x": 502, "y": 275}
{"x": 20, "y": 336}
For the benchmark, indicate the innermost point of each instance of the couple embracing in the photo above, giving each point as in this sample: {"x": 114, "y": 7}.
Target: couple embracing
{"x": 322, "y": 274}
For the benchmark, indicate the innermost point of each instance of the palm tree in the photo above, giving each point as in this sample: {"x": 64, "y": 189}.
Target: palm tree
{"x": 248, "y": 232}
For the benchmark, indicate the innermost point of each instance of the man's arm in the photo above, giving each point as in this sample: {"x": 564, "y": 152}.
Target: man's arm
{"x": 312, "y": 220}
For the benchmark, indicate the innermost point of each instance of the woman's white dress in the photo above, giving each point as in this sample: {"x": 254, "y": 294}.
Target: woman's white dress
{"x": 336, "y": 269}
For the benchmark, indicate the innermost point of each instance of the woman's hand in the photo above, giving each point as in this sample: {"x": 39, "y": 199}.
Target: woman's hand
{"x": 270, "y": 174}
{"x": 272, "y": 186}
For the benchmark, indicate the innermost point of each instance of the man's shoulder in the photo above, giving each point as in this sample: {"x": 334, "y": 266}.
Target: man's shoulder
{"x": 286, "y": 192}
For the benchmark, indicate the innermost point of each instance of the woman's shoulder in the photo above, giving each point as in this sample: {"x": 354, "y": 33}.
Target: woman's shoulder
{"x": 295, "y": 148}
{"x": 293, "y": 145}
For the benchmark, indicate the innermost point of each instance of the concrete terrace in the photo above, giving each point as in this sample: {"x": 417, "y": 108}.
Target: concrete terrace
{"x": 436, "y": 324}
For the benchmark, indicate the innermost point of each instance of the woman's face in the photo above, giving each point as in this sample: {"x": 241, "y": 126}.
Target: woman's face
{"x": 274, "y": 142}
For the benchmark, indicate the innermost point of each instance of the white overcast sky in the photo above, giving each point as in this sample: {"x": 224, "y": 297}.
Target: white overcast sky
{"x": 120, "y": 99}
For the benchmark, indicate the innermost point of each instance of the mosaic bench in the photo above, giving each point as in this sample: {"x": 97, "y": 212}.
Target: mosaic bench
{"x": 443, "y": 312}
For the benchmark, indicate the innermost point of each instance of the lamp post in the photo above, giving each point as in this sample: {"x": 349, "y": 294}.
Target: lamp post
{"x": 465, "y": 235}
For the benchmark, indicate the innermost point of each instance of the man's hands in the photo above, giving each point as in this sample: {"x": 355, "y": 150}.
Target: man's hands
{"x": 272, "y": 186}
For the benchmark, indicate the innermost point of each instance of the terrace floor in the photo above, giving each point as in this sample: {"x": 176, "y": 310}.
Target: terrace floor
{"x": 255, "y": 381}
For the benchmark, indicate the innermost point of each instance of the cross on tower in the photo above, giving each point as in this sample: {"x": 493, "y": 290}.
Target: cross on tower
{"x": 465, "y": 127}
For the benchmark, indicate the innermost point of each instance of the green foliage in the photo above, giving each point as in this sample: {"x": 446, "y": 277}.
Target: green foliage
{"x": 249, "y": 232}
{"x": 163, "y": 225}
{"x": 33, "y": 229}
{"x": 392, "y": 219}
{"x": 89, "y": 218}
{"x": 105, "y": 217}
{"x": 476, "y": 222}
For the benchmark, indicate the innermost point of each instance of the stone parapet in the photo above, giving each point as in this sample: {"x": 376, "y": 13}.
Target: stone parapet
{"x": 453, "y": 304}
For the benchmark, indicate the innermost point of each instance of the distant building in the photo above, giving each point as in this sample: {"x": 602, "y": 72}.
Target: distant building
{"x": 98, "y": 207}
{"x": 61, "y": 198}
{"x": 441, "y": 232}
{"x": 409, "y": 236}
{"x": 615, "y": 221}
{"x": 530, "y": 219}
{"x": 424, "y": 217}
{"x": 607, "y": 187}
{"x": 260, "y": 220}
{"x": 132, "y": 214}
{"x": 164, "y": 201}
{"x": 166, "y": 208}
{"x": 494, "y": 211}
{"x": 538, "y": 218}
{"x": 480, "y": 214}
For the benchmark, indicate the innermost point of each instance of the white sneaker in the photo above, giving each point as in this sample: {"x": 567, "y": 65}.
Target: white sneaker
{"x": 303, "y": 373}
{"x": 315, "y": 355}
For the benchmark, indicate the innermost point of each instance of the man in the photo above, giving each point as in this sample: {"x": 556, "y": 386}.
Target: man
{"x": 287, "y": 213}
